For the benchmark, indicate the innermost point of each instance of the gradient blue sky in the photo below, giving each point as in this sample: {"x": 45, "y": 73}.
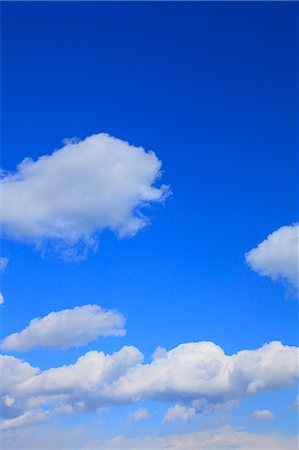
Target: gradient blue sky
{"x": 211, "y": 88}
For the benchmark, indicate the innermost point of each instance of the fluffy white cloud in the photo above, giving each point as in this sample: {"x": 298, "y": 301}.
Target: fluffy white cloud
{"x": 1, "y": 298}
{"x": 277, "y": 256}
{"x": 263, "y": 414}
{"x": 3, "y": 263}
{"x": 179, "y": 412}
{"x": 139, "y": 414}
{"x": 67, "y": 328}
{"x": 13, "y": 373}
{"x": 70, "y": 196}
{"x": 195, "y": 372}
{"x": 201, "y": 370}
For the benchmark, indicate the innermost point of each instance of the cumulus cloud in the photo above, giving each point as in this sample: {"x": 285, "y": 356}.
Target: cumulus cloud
{"x": 13, "y": 372}
{"x": 263, "y": 414}
{"x": 179, "y": 412}
{"x": 277, "y": 256}
{"x": 67, "y": 198}
{"x": 139, "y": 414}
{"x": 193, "y": 372}
{"x": 3, "y": 263}
{"x": 67, "y": 328}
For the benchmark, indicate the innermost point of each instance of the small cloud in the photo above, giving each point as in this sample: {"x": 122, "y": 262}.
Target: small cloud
{"x": 263, "y": 414}
{"x": 179, "y": 412}
{"x": 277, "y": 256}
{"x": 3, "y": 263}
{"x": 67, "y": 328}
{"x": 8, "y": 400}
{"x": 139, "y": 414}
{"x": 1, "y": 298}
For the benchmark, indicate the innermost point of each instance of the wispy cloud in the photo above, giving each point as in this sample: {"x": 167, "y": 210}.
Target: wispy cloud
{"x": 263, "y": 414}
{"x": 139, "y": 414}
{"x": 224, "y": 438}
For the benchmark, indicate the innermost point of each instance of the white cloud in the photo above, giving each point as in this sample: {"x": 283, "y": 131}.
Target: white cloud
{"x": 13, "y": 372}
{"x": 225, "y": 438}
{"x": 139, "y": 414}
{"x": 277, "y": 256}
{"x": 1, "y": 298}
{"x": 68, "y": 197}
{"x": 67, "y": 328}
{"x": 3, "y": 263}
{"x": 179, "y": 412}
{"x": 26, "y": 419}
{"x": 8, "y": 401}
{"x": 263, "y": 414}
{"x": 201, "y": 370}
{"x": 195, "y": 373}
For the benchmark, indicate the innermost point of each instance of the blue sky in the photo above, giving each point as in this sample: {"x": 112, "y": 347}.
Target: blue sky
{"x": 211, "y": 89}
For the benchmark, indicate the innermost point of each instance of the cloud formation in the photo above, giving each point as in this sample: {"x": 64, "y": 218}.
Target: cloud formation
{"x": 1, "y": 298}
{"x": 25, "y": 420}
{"x": 277, "y": 256}
{"x": 224, "y": 438}
{"x": 139, "y": 414}
{"x": 189, "y": 373}
{"x": 179, "y": 412}
{"x": 67, "y": 328}
{"x": 263, "y": 414}
{"x": 67, "y": 198}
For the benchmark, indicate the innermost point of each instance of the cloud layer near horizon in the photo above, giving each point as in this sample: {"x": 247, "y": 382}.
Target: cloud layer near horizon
{"x": 83, "y": 438}
{"x": 194, "y": 372}
{"x": 67, "y": 328}
{"x": 277, "y": 256}
{"x": 70, "y": 196}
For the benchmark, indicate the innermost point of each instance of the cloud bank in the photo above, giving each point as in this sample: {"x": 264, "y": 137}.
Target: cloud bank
{"x": 224, "y": 438}
{"x": 67, "y": 328}
{"x": 197, "y": 372}
{"x": 277, "y": 256}
{"x": 69, "y": 197}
